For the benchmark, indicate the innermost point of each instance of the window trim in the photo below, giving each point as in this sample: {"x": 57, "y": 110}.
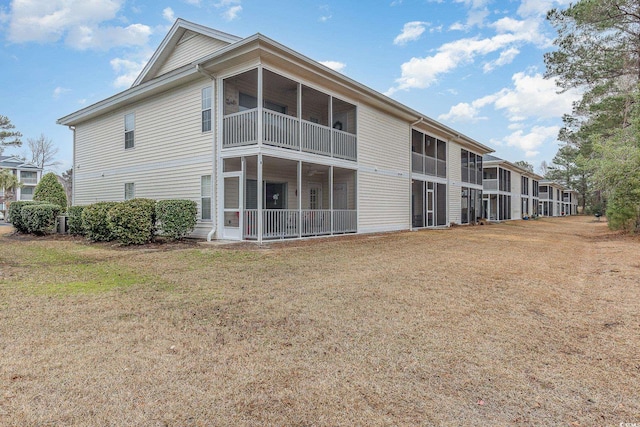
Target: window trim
{"x": 130, "y": 131}
{"x": 132, "y": 191}
{"x": 206, "y": 108}
{"x": 204, "y": 197}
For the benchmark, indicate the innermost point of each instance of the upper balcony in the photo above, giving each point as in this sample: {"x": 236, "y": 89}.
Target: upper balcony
{"x": 293, "y": 116}
{"x": 428, "y": 155}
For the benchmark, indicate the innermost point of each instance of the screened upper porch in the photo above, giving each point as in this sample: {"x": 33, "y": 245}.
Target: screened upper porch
{"x": 291, "y": 116}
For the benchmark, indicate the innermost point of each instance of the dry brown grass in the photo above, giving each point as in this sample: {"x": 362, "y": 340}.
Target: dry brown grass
{"x": 524, "y": 323}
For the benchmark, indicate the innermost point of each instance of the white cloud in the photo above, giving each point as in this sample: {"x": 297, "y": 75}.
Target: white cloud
{"x": 530, "y": 142}
{"x": 78, "y": 22}
{"x": 127, "y": 70}
{"x": 230, "y": 8}
{"x": 474, "y": 4}
{"x": 326, "y": 13}
{"x": 461, "y": 112}
{"x": 421, "y": 73}
{"x": 534, "y": 96}
{"x": 59, "y": 91}
{"x": 539, "y": 7}
{"x": 506, "y": 57}
{"x": 334, "y": 65}
{"x": 410, "y": 32}
{"x": 193, "y": 2}
{"x": 84, "y": 37}
{"x": 168, "y": 14}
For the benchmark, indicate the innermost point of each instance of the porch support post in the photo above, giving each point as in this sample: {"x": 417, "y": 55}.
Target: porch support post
{"x": 299, "y": 186}
{"x": 331, "y": 196}
{"x": 260, "y": 102}
{"x": 260, "y": 197}
{"x": 331, "y": 123}
{"x": 299, "y": 117}
{"x": 243, "y": 180}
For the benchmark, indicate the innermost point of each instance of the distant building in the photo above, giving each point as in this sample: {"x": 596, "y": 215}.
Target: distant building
{"x": 27, "y": 173}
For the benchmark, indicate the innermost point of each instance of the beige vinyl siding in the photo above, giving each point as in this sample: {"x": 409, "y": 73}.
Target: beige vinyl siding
{"x": 384, "y": 184}
{"x": 516, "y": 197}
{"x": 454, "y": 173}
{"x": 189, "y": 50}
{"x": 169, "y": 156}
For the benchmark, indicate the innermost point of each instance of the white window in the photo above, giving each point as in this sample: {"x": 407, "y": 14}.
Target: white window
{"x": 129, "y": 191}
{"x": 26, "y": 193}
{"x": 206, "y": 109}
{"x": 129, "y": 127}
{"x": 205, "y": 197}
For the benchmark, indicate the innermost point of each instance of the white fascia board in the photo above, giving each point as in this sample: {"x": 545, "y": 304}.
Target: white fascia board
{"x": 129, "y": 95}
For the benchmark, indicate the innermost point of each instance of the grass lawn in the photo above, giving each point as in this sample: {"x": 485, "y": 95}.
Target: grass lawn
{"x": 521, "y": 323}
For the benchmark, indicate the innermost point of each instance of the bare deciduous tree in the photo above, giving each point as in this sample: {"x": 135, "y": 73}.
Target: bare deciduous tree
{"x": 43, "y": 152}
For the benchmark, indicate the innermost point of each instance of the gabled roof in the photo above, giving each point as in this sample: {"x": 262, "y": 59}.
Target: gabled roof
{"x": 180, "y": 29}
{"x": 15, "y": 162}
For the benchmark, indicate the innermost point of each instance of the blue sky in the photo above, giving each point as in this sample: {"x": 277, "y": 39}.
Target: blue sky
{"x": 474, "y": 65}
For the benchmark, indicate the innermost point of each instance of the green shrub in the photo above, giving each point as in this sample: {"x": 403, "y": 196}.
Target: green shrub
{"x": 50, "y": 190}
{"x": 133, "y": 221}
{"x": 40, "y": 218}
{"x": 75, "y": 220}
{"x": 176, "y": 218}
{"x": 95, "y": 222}
{"x": 15, "y": 214}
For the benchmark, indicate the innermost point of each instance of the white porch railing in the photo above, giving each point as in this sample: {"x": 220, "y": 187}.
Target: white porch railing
{"x": 316, "y": 222}
{"x": 283, "y": 223}
{"x": 344, "y": 145}
{"x": 240, "y": 129}
{"x": 490, "y": 184}
{"x": 280, "y": 130}
{"x": 427, "y": 165}
{"x": 316, "y": 138}
{"x": 345, "y": 221}
{"x": 285, "y": 131}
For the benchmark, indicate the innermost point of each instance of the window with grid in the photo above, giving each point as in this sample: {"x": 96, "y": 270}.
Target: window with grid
{"x": 129, "y": 191}
{"x": 129, "y": 127}
{"x": 206, "y": 109}
{"x": 205, "y": 197}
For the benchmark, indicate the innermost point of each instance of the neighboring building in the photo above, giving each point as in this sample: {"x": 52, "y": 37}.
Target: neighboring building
{"x": 510, "y": 191}
{"x": 570, "y": 201}
{"x": 271, "y": 144}
{"x": 27, "y": 173}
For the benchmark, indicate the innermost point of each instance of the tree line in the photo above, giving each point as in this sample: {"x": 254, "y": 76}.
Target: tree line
{"x": 597, "y": 51}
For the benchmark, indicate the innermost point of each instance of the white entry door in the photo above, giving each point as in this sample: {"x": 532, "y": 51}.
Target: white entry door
{"x": 232, "y": 215}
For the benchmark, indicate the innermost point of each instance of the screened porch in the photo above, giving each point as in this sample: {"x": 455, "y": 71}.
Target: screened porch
{"x": 297, "y": 199}
{"x": 290, "y": 115}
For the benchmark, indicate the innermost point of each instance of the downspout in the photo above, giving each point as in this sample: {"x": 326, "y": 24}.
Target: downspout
{"x": 75, "y": 170}
{"x": 213, "y": 174}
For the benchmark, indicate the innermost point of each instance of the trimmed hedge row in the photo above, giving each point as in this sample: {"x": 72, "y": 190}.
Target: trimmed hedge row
{"x": 135, "y": 221}
{"x": 15, "y": 214}
{"x": 132, "y": 222}
{"x": 29, "y": 216}
{"x": 176, "y": 218}
{"x": 40, "y": 218}
{"x": 74, "y": 220}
